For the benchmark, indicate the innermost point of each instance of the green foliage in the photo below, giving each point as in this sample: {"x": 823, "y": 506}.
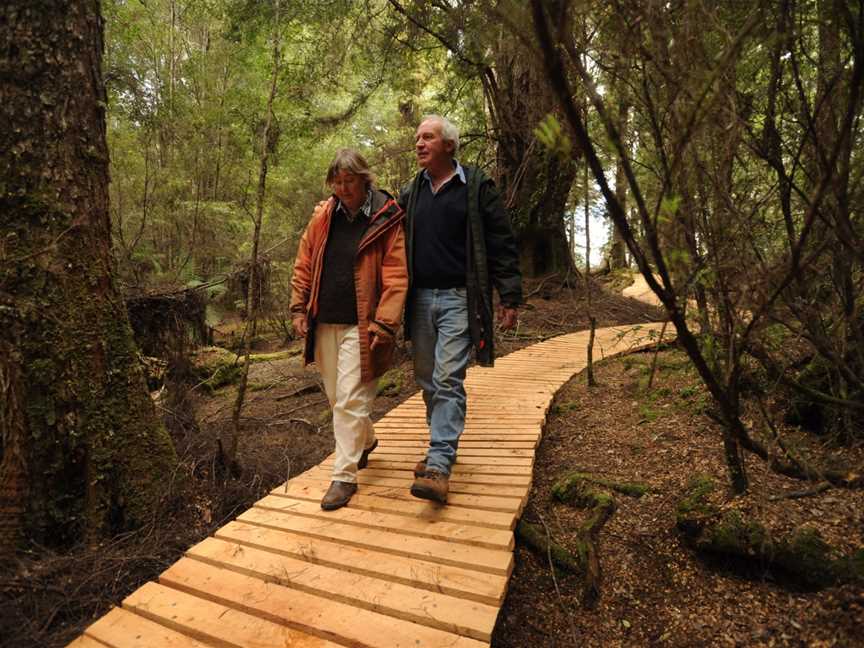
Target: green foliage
{"x": 553, "y": 137}
{"x": 564, "y": 408}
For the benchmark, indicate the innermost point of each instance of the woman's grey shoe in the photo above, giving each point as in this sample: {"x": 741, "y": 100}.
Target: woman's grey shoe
{"x": 338, "y": 495}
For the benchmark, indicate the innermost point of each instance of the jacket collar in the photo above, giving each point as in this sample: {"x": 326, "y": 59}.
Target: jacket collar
{"x": 365, "y": 208}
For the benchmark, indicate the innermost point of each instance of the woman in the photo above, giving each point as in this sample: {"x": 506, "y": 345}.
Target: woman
{"x": 348, "y": 291}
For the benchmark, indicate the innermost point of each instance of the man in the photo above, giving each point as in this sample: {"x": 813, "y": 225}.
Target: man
{"x": 459, "y": 244}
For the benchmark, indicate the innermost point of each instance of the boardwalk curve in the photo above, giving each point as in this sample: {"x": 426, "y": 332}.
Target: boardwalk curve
{"x": 388, "y": 570}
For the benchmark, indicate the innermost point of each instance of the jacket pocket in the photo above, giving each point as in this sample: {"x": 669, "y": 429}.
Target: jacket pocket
{"x": 382, "y": 355}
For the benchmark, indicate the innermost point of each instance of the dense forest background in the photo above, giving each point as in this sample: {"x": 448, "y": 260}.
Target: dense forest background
{"x": 724, "y": 140}
{"x": 718, "y": 143}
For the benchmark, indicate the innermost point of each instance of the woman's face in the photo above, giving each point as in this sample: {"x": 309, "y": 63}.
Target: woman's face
{"x": 350, "y": 188}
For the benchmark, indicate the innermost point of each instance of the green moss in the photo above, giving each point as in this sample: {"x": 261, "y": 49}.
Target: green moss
{"x": 853, "y": 565}
{"x": 694, "y": 506}
{"x": 536, "y": 538}
{"x": 277, "y": 355}
{"x": 324, "y": 416}
{"x": 648, "y": 413}
{"x": 98, "y": 458}
{"x": 810, "y": 558}
{"x": 564, "y": 408}
{"x": 574, "y": 485}
{"x": 391, "y": 383}
{"x": 734, "y": 535}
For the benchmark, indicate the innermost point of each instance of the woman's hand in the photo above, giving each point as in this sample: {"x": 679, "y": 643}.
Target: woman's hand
{"x": 378, "y": 336}
{"x": 301, "y": 326}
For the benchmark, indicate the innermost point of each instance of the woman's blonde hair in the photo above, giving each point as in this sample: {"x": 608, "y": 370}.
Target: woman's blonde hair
{"x": 349, "y": 160}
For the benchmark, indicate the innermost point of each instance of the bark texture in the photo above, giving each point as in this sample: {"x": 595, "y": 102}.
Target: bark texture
{"x": 83, "y": 453}
{"x": 535, "y": 183}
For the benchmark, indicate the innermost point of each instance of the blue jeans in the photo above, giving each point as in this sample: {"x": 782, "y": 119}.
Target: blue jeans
{"x": 442, "y": 346}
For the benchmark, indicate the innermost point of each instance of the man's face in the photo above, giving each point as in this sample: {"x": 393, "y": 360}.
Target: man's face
{"x": 431, "y": 149}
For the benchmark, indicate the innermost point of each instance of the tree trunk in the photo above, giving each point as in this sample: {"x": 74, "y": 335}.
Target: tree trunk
{"x": 81, "y": 423}
{"x": 617, "y": 258}
{"x": 535, "y": 184}
{"x": 253, "y": 294}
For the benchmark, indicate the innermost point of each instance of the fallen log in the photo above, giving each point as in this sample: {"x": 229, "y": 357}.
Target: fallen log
{"x": 801, "y": 554}
{"x": 569, "y": 487}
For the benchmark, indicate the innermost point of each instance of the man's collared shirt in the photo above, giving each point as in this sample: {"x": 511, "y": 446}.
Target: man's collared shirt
{"x": 460, "y": 173}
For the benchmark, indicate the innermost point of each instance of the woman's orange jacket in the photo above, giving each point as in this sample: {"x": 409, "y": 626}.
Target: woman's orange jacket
{"x": 380, "y": 279}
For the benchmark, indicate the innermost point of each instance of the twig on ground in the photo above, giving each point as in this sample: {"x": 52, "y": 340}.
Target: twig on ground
{"x": 303, "y": 389}
{"x": 555, "y": 580}
{"x": 801, "y": 494}
{"x": 300, "y": 407}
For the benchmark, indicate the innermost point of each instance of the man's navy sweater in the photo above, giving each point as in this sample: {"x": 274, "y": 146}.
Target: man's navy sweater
{"x": 440, "y": 229}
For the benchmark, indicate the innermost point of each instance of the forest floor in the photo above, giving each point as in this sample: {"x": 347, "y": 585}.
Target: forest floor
{"x": 654, "y": 589}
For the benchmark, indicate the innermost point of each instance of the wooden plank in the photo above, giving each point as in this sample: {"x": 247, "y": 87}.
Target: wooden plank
{"x": 404, "y": 479}
{"x": 518, "y": 427}
{"x": 86, "y": 642}
{"x": 123, "y": 629}
{"x": 458, "y": 477}
{"x": 422, "y": 442}
{"x": 525, "y": 418}
{"x": 399, "y": 489}
{"x": 471, "y": 584}
{"x": 465, "y": 450}
{"x": 332, "y": 605}
{"x": 494, "y": 467}
{"x": 443, "y": 551}
{"x": 382, "y": 501}
{"x": 474, "y": 433}
{"x": 428, "y": 526}
{"x": 468, "y": 458}
{"x": 488, "y": 428}
{"x": 212, "y": 623}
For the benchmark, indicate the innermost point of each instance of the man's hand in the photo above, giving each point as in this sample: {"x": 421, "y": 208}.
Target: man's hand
{"x": 301, "y": 326}
{"x": 507, "y": 317}
{"x": 376, "y": 341}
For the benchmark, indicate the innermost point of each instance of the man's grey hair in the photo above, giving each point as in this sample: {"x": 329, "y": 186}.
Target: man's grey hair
{"x": 449, "y": 130}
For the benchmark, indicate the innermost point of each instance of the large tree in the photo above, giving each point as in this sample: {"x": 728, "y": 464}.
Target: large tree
{"x": 535, "y": 184}
{"x": 83, "y": 454}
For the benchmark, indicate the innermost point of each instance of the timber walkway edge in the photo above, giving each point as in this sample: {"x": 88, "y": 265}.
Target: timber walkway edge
{"x": 388, "y": 570}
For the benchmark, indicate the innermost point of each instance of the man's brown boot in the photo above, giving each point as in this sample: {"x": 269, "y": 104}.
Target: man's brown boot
{"x": 420, "y": 468}
{"x": 364, "y": 458}
{"x": 338, "y": 495}
{"x": 431, "y": 485}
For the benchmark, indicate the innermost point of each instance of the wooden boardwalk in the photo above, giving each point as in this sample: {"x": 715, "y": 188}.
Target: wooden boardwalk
{"x": 388, "y": 570}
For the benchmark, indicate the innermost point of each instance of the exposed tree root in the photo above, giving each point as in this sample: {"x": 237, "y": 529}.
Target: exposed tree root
{"x": 576, "y": 489}
{"x": 803, "y": 554}
{"x": 535, "y": 537}
{"x": 573, "y": 484}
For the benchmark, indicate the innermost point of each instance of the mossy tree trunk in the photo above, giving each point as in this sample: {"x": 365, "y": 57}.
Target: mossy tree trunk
{"x": 83, "y": 453}
{"x": 534, "y": 182}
